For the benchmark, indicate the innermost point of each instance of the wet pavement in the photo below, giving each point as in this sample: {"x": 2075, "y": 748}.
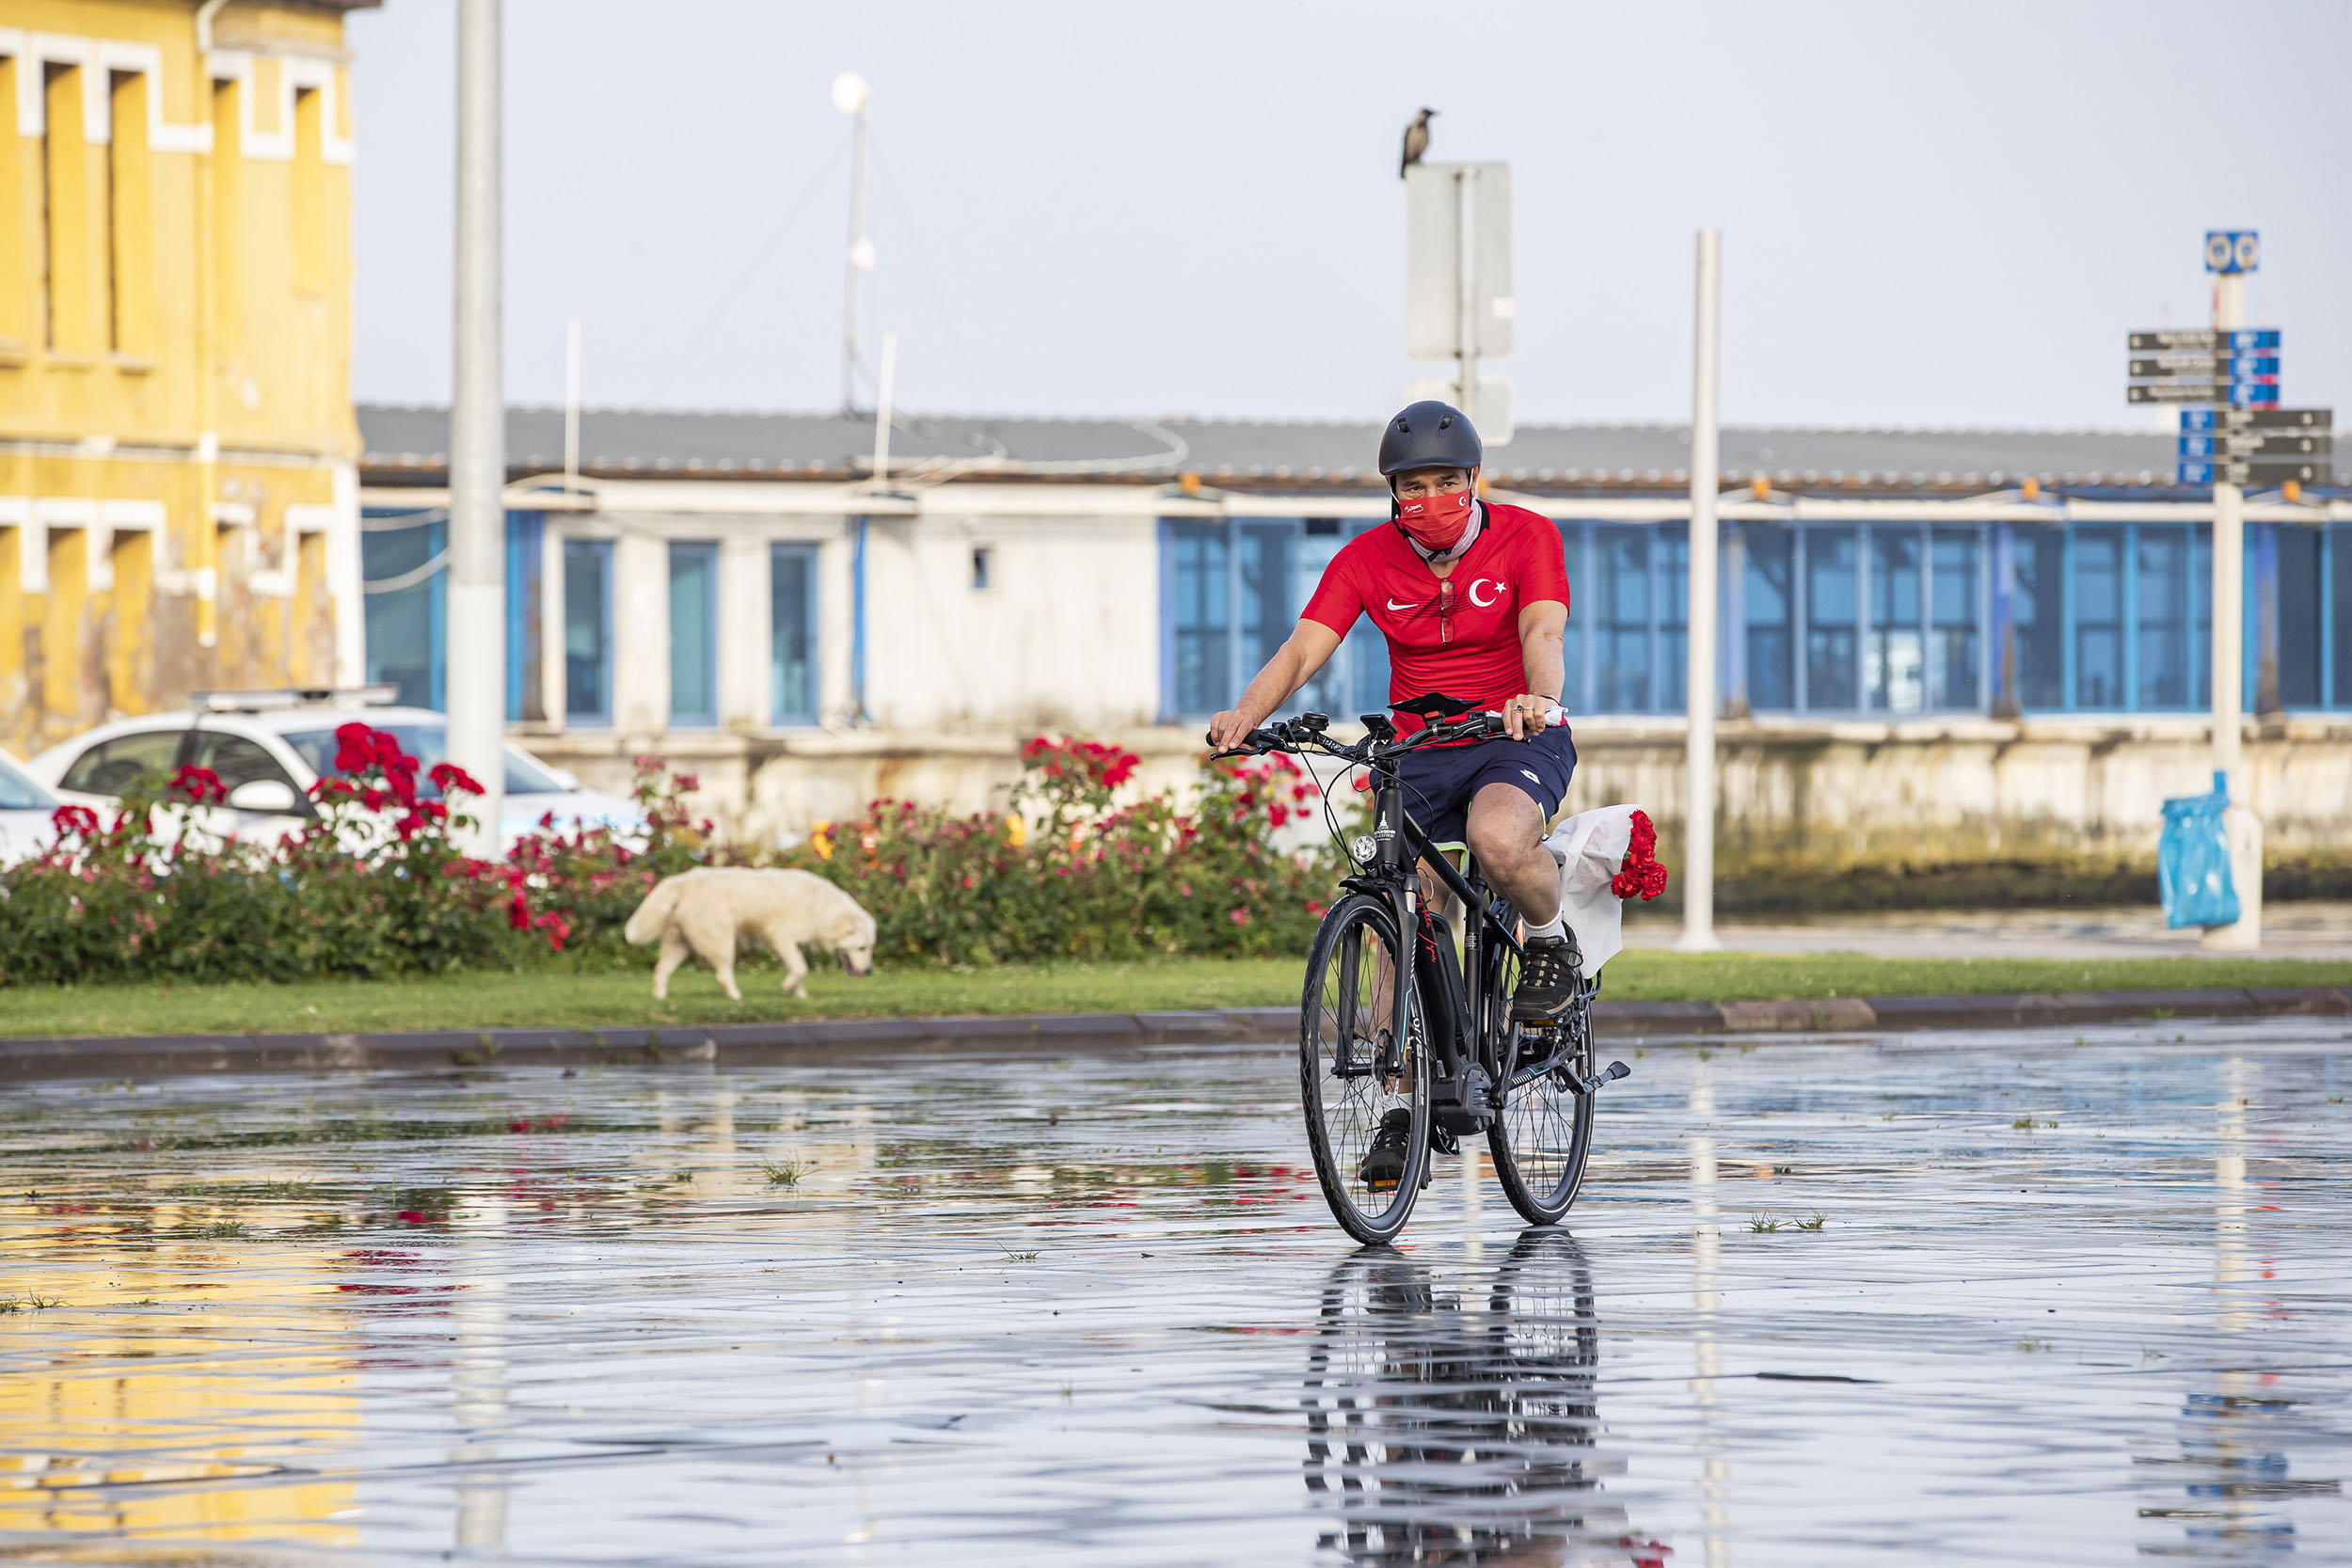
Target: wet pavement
{"x": 2001, "y": 1298}
{"x": 2311, "y": 929}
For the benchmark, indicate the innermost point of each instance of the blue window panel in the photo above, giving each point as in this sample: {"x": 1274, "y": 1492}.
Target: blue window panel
{"x": 1263, "y": 582}
{"x": 793, "y": 634}
{"x": 2038, "y": 617}
{"x": 2200, "y": 603}
{"x": 1955, "y": 655}
{"x": 1833, "y": 609}
{"x": 587, "y": 631}
{"x": 1772, "y": 616}
{"x": 1202, "y": 618}
{"x": 693, "y": 634}
{"x": 1574, "y": 659}
{"x": 1622, "y": 632}
{"x": 401, "y": 557}
{"x": 1895, "y": 660}
{"x": 524, "y": 696}
{"x": 2337, "y": 650}
{"x": 2166, "y": 622}
{"x": 2098, "y": 580}
{"x": 1330, "y": 692}
{"x": 1673, "y": 601}
{"x": 2300, "y": 590}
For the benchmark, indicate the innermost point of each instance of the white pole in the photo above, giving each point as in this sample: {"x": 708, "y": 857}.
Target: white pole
{"x": 851, "y": 96}
{"x": 474, "y": 649}
{"x": 1466, "y": 292}
{"x": 882, "y": 407}
{"x": 1698, "y": 858}
{"x": 2228, "y": 674}
{"x": 571, "y": 407}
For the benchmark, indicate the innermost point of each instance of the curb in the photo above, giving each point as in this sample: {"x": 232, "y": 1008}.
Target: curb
{"x": 762, "y": 1044}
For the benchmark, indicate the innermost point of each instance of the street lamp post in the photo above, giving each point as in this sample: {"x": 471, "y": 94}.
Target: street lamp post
{"x": 850, "y": 95}
{"x": 474, "y": 649}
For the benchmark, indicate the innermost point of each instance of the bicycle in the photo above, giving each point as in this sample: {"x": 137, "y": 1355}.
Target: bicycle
{"x": 1431, "y": 1037}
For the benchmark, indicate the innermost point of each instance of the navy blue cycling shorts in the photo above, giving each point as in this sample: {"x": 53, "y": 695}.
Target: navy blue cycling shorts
{"x": 1440, "y": 781}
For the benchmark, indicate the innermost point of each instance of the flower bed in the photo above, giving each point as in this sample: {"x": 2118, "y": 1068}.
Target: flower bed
{"x": 376, "y": 886}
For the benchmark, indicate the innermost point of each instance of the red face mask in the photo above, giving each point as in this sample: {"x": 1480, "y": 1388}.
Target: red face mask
{"x": 1435, "y": 522}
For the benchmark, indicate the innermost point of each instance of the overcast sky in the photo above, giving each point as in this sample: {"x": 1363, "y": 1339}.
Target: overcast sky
{"x": 1933, "y": 215}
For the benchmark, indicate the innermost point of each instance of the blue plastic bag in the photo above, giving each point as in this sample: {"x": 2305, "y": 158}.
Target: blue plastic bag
{"x": 2193, "y": 859}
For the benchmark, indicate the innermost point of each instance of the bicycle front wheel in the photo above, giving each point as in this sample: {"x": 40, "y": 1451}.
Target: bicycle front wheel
{"x": 1543, "y": 1135}
{"x": 1364, "y": 1090}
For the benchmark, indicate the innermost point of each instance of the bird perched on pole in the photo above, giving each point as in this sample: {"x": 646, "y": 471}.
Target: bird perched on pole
{"x": 1416, "y": 141}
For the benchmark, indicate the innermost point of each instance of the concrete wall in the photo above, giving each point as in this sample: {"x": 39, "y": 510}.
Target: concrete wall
{"x": 1820, "y": 796}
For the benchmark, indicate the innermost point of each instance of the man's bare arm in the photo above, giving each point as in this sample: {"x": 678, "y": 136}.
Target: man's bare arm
{"x": 1308, "y": 649}
{"x": 1543, "y": 634}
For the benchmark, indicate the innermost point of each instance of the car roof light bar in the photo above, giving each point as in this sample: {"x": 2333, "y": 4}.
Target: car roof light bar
{"x": 268, "y": 700}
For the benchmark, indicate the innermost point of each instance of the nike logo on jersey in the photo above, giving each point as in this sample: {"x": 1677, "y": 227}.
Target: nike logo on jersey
{"x": 1394, "y": 605}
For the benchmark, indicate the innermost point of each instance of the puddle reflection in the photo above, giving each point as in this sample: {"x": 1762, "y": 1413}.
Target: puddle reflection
{"x": 1459, "y": 1425}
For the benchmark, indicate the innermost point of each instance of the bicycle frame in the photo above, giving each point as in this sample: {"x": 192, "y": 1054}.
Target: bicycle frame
{"x": 1456, "y": 1010}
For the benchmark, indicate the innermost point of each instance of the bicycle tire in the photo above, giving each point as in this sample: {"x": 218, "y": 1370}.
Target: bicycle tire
{"x": 1542, "y": 1136}
{"x": 1342, "y": 992}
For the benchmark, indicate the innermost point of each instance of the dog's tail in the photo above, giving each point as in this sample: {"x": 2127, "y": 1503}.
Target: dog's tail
{"x": 654, "y": 913}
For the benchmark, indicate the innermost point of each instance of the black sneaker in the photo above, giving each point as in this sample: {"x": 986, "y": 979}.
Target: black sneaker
{"x": 1384, "y": 1167}
{"x": 1549, "y": 981}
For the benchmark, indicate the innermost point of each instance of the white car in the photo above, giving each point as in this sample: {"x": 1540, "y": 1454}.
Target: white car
{"x": 26, "y": 828}
{"x": 269, "y": 748}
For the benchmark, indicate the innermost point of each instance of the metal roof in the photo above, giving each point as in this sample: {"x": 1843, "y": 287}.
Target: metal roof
{"x": 410, "y": 445}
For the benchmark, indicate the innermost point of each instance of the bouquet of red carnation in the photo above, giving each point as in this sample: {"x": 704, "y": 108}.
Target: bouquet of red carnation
{"x": 1641, "y": 874}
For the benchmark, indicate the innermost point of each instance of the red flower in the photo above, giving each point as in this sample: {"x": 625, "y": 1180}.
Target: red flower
{"x": 79, "y": 820}
{"x": 1641, "y": 875}
{"x": 198, "y": 784}
{"x": 448, "y": 777}
{"x": 355, "y": 747}
{"x": 1238, "y": 916}
{"x": 518, "y": 913}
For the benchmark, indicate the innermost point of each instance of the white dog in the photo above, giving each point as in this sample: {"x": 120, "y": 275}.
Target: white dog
{"x": 708, "y": 910}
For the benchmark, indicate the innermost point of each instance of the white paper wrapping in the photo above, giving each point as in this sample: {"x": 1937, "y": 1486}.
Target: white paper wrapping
{"x": 1591, "y": 849}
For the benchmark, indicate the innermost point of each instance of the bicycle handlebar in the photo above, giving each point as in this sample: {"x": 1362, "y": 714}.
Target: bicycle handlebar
{"x": 1296, "y": 734}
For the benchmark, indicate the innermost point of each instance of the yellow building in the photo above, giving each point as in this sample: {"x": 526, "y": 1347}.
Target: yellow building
{"x": 179, "y": 505}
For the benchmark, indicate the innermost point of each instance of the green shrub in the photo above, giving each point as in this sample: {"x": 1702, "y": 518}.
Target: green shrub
{"x": 376, "y": 887}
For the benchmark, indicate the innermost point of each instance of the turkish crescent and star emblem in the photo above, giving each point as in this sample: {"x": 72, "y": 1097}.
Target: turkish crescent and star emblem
{"x": 1496, "y": 583}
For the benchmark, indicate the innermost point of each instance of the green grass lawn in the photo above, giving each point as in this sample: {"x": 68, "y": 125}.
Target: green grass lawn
{"x": 624, "y": 998}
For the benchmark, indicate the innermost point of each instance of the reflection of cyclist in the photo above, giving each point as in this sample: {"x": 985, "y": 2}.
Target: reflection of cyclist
{"x": 1473, "y": 600}
{"x": 1443, "y": 1433}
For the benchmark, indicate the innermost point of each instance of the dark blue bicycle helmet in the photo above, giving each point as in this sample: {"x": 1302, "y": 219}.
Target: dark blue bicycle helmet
{"x": 1429, "y": 434}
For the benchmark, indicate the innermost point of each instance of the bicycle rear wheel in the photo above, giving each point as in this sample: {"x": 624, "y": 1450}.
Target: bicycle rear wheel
{"x": 1543, "y": 1135}
{"x": 1353, "y": 1076}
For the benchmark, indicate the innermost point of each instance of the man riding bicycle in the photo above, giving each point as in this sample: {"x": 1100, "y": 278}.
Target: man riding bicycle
{"x": 1473, "y": 600}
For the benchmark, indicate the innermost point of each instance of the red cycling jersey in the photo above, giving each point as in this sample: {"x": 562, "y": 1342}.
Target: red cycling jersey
{"x": 1459, "y": 636}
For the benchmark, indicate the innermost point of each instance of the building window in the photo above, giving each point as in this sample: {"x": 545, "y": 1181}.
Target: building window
{"x": 1955, "y": 661}
{"x": 2300, "y": 585}
{"x": 793, "y": 629}
{"x": 1621, "y": 618}
{"x": 2037, "y": 617}
{"x": 1895, "y": 660}
{"x": 587, "y": 631}
{"x": 1772, "y": 616}
{"x": 2336, "y": 655}
{"x": 1230, "y": 596}
{"x": 1833, "y": 604}
{"x": 693, "y": 634}
{"x": 129, "y": 224}
{"x": 2098, "y": 576}
{"x": 2166, "y": 619}
{"x": 400, "y": 559}
{"x": 982, "y": 564}
{"x": 1200, "y": 618}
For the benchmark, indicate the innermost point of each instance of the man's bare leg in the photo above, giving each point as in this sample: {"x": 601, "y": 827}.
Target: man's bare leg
{"x": 1506, "y": 833}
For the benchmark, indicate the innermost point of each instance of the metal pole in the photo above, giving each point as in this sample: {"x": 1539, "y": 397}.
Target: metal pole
{"x": 1698, "y": 860}
{"x": 851, "y": 96}
{"x": 571, "y": 405}
{"x": 1465, "y": 291}
{"x": 474, "y": 649}
{"x": 2229, "y": 673}
{"x": 882, "y": 407}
